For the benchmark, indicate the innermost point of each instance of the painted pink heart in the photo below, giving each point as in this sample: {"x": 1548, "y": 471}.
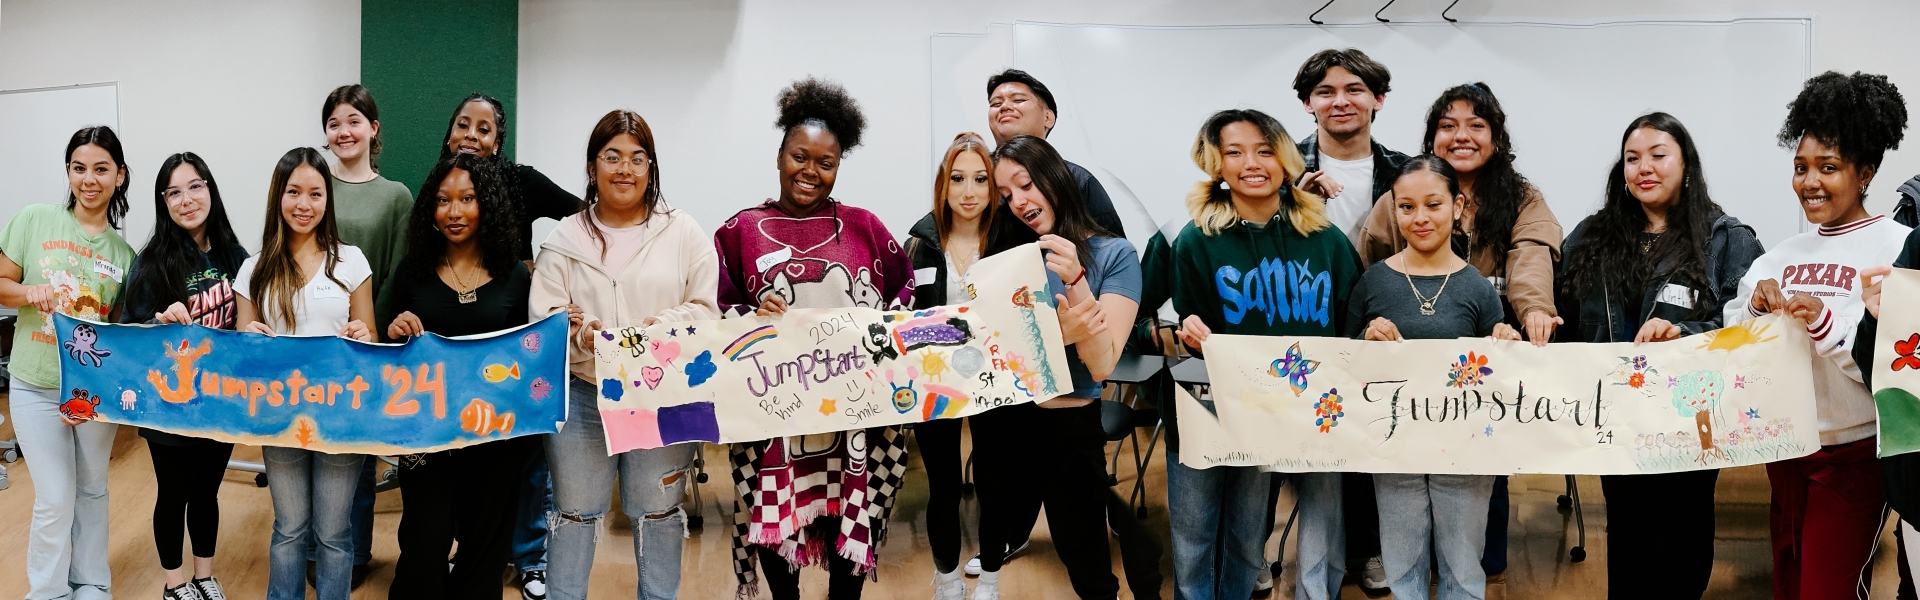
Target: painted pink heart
{"x": 652, "y": 376}
{"x": 796, "y": 269}
{"x": 665, "y": 352}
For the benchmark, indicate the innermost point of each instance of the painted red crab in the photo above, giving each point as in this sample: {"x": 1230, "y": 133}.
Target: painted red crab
{"x": 80, "y": 406}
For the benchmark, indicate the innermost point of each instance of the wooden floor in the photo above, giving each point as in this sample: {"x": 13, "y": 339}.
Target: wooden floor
{"x": 1540, "y": 536}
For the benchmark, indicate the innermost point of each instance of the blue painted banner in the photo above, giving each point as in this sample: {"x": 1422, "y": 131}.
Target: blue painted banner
{"x": 321, "y": 393}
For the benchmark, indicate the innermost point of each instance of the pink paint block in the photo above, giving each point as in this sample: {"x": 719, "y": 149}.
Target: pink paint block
{"x": 630, "y": 428}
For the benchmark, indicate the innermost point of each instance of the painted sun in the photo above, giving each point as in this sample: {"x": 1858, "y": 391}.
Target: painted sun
{"x": 1736, "y": 336}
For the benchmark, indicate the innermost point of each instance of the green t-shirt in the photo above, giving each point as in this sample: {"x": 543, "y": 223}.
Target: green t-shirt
{"x": 86, "y": 271}
{"x": 372, "y": 216}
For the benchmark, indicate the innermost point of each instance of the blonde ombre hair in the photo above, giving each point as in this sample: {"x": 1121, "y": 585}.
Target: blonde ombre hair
{"x": 1211, "y": 205}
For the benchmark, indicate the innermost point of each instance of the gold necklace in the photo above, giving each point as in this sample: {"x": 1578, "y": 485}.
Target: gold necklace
{"x": 1426, "y": 304}
{"x": 469, "y": 295}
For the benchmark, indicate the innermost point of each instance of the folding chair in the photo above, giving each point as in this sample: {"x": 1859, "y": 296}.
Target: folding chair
{"x": 1571, "y": 500}
{"x": 1122, "y": 417}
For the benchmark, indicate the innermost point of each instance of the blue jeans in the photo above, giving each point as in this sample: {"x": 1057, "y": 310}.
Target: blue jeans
{"x": 1321, "y": 558}
{"x": 1447, "y": 513}
{"x": 362, "y": 516}
{"x": 1218, "y": 517}
{"x": 312, "y": 496}
{"x": 530, "y": 527}
{"x": 67, "y": 539}
{"x": 583, "y": 477}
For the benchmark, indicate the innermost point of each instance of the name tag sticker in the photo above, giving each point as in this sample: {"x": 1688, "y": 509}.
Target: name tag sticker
{"x": 107, "y": 269}
{"x": 923, "y": 276}
{"x": 1677, "y": 295}
{"x": 768, "y": 260}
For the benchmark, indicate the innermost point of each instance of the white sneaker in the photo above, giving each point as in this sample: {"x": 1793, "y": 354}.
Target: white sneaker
{"x": 1375, "y": 577}
{"x": 186, "y": 591}
{"x": 973, "y": 565}
{"x": 209, "y": 588}
{"x": 1264, "y": 582}
{"x": 988, "y": 588}
{"x": 949, "y": 586}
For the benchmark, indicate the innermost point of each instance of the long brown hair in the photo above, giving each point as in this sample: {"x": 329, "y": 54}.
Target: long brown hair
{"x": 611, "y": 126}
{"x": 276, "y": 277}
{"x": 943, "y": 212}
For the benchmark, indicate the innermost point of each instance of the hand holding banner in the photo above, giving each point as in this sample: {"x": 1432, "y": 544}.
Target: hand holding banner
{"x": 1740, "y": 395}
{"x": 828, "y": 370}
{"x": 321, "y": 393}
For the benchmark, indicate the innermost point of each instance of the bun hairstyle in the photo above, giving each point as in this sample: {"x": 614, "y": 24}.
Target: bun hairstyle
{"x": 103, "y": 136}
{"x": 499, "y": 121}
{"x": 1210, "y": 204}
{"x": 824, "y": 104}
{"x": 1860, "y": 115}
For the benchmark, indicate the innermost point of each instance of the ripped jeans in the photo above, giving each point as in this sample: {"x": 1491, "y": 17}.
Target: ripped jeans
{"x": 651, "y": 485}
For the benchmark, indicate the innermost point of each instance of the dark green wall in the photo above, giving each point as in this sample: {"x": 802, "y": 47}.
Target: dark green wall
{"x": 420, "y": 57}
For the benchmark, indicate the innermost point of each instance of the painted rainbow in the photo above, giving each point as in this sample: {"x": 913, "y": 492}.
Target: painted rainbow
{"x": 740, "y": 345}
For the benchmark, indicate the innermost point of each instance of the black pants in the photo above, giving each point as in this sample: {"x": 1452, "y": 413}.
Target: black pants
{"x": 1362, "y": 515}
{"x": 471, "y": 494}
{"x": 939, "y": 451}
{"x": 1061, "y": 454}
{"x": 784, "y": 583}
{"x": 187, "y": 489}
{"x": 1659, "y": 534}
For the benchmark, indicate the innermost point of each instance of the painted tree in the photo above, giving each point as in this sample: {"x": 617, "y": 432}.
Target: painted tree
{"x": 1696, "y": 395}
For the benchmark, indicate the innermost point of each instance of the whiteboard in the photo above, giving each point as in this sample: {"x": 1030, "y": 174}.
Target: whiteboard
{"x": 1133, "y": 98}
{"x": 35, "y": 126}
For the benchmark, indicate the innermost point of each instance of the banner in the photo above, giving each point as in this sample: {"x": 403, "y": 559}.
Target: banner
{"x": 320, "y": 393}
{"x": 1896, "y": 372}
{"x": 828, "y": 370}
{"x": 1741, "y": 395}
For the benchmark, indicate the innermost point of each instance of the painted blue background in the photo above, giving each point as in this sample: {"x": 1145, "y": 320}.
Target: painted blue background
{"x": 134, "y": 350}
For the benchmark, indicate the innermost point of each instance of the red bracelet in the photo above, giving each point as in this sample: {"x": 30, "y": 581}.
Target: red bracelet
{"x": 1076, "y": 280}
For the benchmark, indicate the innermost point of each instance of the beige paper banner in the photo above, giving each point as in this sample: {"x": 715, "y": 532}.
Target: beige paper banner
{"x": 1896, "y": 371}
{"x": 830, "y": 370}
{"x": 1737, "y": 396}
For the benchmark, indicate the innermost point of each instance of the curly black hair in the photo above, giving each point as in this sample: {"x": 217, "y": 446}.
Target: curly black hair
{"x": 814, "y": 101}
{"x": 498, "y": 231}
{"x": 1861, "y": 115}
{"x": 1499, "y": 189}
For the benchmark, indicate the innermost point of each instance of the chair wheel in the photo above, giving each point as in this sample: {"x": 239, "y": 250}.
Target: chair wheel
{"x": 1564, "y": 502}
{"x": 1140, "y": 513}
{"x": 1578, "y": 553}
{"x": 260, "y": 480}
{"x": 702, "y": 478}
{"x": 696, "y": 521}
{"x": 10, "y": 455}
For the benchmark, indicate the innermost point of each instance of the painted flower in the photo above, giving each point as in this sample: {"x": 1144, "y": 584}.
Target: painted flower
{"x": 1471, "y": 370}
{"x": 1636, "y": 380}
{"x": 1327, "y": 411}
{"x": 1640, "y": 363}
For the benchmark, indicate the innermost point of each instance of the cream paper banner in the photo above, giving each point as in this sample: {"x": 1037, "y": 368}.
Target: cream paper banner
{"x": 1741, "y": 395}
{"x": 1896, "y": 371}
{"x": 829, "y": 370}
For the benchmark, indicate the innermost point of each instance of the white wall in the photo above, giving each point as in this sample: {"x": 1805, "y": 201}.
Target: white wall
{"x": 705, "y": 73}
{"x": 237, "y": 82}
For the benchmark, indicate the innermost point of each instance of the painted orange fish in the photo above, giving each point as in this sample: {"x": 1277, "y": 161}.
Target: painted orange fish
{"x": 496, "y": 372}
{"x": 480, "y": 419}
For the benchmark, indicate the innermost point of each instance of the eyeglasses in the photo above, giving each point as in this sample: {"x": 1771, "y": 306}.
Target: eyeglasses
{"x": 196, "y": 189}
{"x": 612, "y": 160}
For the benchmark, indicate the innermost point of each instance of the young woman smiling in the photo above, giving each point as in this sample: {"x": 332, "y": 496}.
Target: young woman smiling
{"x": 1245, "y": 215}
{"x": 459, "y": 277}
{"x": 370, "y": 210}
{"x": 305, "y": 282}
{"x": 1830, "y": 506}
{"x": 70, "y": 261}
{"x": 629, "y": 260}
{"x": 1413, "y": 295}
{"x": 944, "y": 247}
{"x": 806, "y": 249}
{"x": 184, "y": 276}
{"x": 1659, "y": 260}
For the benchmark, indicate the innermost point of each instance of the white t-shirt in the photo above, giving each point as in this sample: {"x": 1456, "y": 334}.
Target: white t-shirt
{"x": 1348, "y": 211}
{"x": 323, "y": 306}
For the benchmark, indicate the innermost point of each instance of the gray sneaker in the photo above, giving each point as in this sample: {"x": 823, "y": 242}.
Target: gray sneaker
{"x": 186, "y": 591}
{"x": 209, "y": 588}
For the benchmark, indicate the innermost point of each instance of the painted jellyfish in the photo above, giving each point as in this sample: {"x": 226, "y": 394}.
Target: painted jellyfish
{"x": 1696, "y": 396}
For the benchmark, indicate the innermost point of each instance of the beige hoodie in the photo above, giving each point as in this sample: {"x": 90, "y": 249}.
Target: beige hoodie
{"x": 674, "y": 277}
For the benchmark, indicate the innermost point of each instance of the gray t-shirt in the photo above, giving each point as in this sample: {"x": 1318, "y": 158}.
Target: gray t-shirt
{"x": 1468, "y": 307}
{"x": 1115, "y": 270}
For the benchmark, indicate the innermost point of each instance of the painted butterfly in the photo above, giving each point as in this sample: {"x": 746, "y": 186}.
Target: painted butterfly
{"x": 1906, "y": 348}
{"x": 1294, "y": 368}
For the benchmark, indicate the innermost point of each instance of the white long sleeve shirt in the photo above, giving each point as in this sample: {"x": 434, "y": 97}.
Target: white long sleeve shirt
{"x": 1826, "y": 264}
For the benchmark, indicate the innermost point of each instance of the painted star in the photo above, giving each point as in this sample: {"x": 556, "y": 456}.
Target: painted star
{"x": 689, "y": 330}
{"x": 826, "y": 406}
{"x": 673, "y": 333}
{"x": 1489, "y": 431}
{"x": 1753, "y": 413}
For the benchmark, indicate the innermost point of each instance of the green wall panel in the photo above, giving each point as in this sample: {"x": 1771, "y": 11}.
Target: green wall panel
{"x": 420, "y": 57}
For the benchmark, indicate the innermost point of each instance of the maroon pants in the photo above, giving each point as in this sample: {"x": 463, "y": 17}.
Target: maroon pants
{"x": 1828, "y": 510}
